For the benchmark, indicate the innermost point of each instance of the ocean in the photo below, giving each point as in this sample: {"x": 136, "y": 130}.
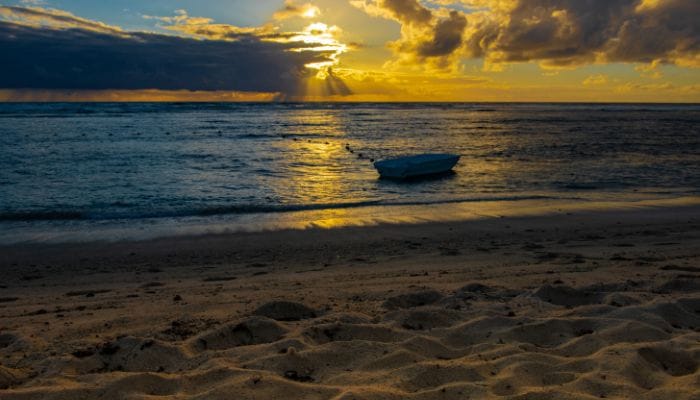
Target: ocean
{"x": 112, "y": 171}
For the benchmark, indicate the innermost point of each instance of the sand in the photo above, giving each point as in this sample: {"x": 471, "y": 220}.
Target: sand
{"x": 572, "y": 306}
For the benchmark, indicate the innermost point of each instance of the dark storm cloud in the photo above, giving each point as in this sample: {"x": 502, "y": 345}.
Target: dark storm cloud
{"x": 43, "y": 57}
{"x": 424, "y": 35}
{"x": 447, "y": 37}
{"x": 408, "y": 11}
{"x": 571, "y": 32}
{"x": 669, "y": 30}
{"x": 557, "y": 33}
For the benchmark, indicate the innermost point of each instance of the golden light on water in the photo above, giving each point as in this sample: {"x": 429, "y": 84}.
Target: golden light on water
{"x": 319, "y": 176}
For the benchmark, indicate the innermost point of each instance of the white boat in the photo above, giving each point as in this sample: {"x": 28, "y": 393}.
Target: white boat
{"x": 416, "y": 166}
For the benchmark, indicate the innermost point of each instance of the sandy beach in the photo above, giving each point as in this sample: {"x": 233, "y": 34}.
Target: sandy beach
{"x": 580, "y": 305}
{"x": 350, "y": 200}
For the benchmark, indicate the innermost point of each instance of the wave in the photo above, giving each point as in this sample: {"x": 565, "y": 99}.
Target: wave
{"x": 240, "y": 209}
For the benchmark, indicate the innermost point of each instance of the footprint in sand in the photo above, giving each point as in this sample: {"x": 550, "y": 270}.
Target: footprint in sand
{"x": 412, "y": 300}
{"x": 252, "y": 330}
{"x": 285, "y": 311}
{"x": 674, "y": 363}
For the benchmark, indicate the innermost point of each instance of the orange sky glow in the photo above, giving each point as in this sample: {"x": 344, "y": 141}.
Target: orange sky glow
{"x": 380, "y": 50}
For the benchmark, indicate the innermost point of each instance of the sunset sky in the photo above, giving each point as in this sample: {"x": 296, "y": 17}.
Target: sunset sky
{"x": 351, "y": 50}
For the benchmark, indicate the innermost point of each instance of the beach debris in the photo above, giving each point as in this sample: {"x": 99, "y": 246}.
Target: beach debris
{"x": 285, "y": 311}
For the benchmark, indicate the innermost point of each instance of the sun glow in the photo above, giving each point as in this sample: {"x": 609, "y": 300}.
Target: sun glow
{"x": 323, "y": 38}
{"x": 312, "y": 12}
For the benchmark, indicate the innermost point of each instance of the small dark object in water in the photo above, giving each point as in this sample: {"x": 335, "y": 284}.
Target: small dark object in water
{"x": 416, "y": 166}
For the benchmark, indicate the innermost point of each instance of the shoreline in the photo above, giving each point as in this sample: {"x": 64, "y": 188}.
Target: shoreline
{"x": 369, "y": 216}
{"x": 593, "y": 214}
{"x": 567, "y": 306}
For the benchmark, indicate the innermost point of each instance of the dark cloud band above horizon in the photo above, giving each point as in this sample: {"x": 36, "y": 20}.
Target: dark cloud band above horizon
{"x": 92, "y": 56}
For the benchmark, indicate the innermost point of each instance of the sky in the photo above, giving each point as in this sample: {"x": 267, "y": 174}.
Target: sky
{"x": 350, "y": 50}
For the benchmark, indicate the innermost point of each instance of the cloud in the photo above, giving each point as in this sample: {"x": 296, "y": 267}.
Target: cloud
{"x": 426, "y": 38}
{"x": 33, "y": 2}
{"x": 315, "y": 37}
{"x": 37, "y": 17}
{"x": 405, "y": 11}
{"x": 293, "y": 10}
{"x": 561, "y": 33}
{"x": 596, "y": 80}
{"x": 51, "y": 49}
{"x": 554, "y": 33}
{"x": 446, "y": 38}
{"x": 206, "y": 28}
{"x": 145, "y": 95}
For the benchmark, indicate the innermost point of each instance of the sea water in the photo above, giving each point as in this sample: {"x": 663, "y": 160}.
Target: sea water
{"x": 78, "y": 171}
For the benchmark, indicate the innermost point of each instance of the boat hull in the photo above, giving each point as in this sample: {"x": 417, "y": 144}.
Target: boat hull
{"x": 416, "y": 166}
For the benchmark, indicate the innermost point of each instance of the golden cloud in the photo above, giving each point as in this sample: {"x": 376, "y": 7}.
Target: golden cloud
{"x": 426, "y": 38}
{"x": 554, "y": 33}
{"x": 293, "y": 10}
{"x": 596, "y": 80}
{"x": 316, "y": 37}
{"x": 37, "y": 17}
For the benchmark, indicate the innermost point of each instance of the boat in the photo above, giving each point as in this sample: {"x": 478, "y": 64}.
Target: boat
{"x": 416, "y": 166}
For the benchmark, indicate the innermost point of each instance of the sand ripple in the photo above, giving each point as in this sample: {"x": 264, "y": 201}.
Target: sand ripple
{"x": 561, "y": 343}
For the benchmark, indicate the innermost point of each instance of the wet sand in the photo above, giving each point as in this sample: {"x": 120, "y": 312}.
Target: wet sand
{"x": 585, "y": 305}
